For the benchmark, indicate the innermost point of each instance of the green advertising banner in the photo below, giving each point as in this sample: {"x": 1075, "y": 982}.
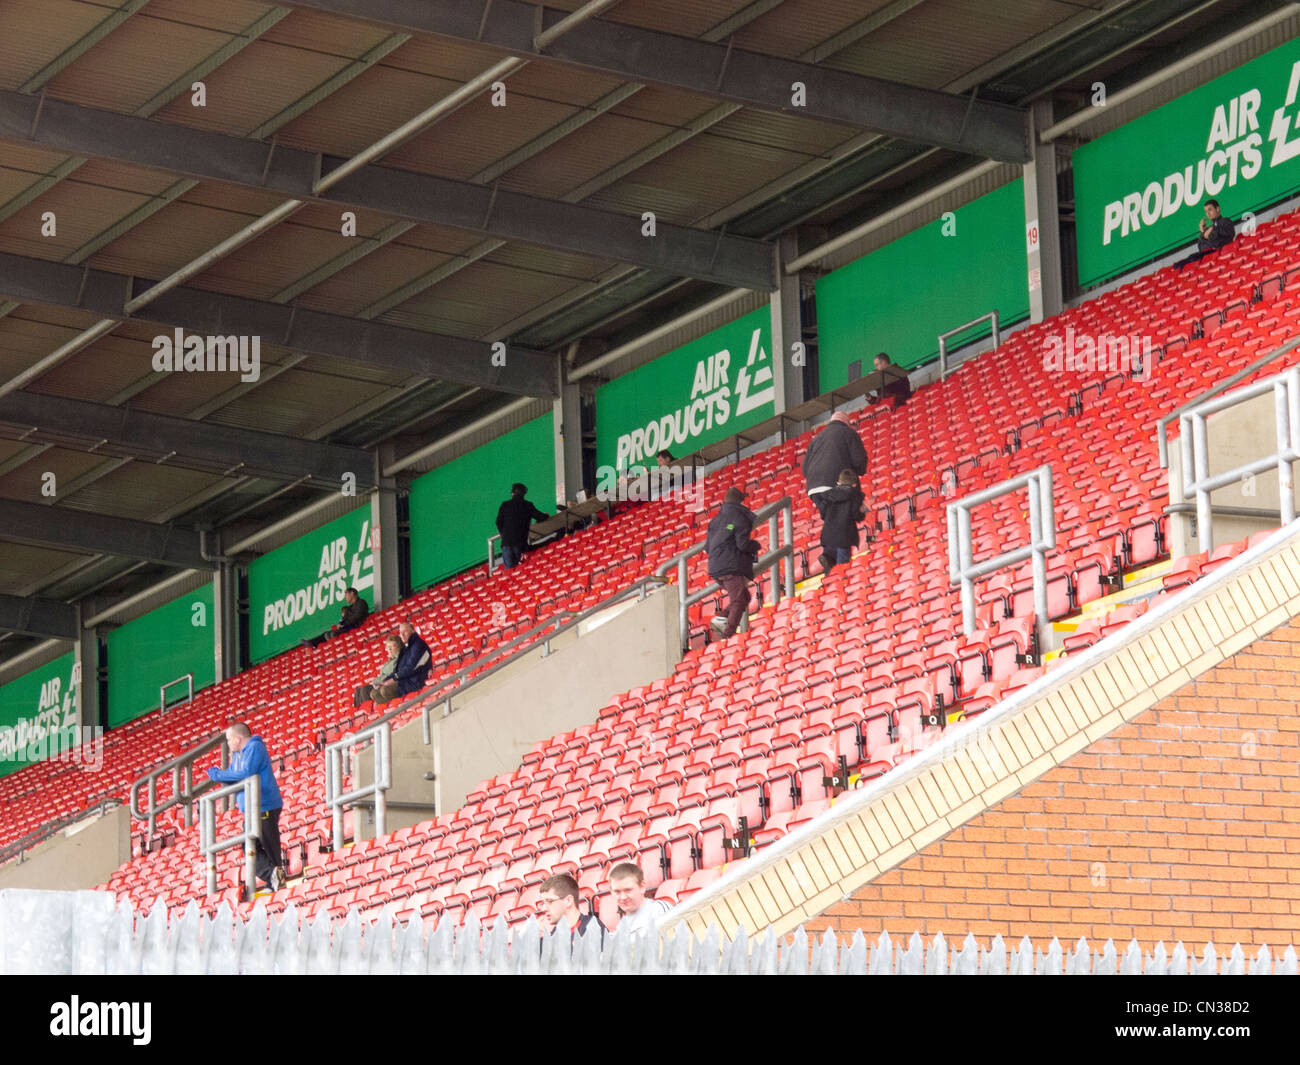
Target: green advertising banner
{"x": 900, "y": 297}
{"x": 454, "y": 507}
{"x": 689, "y": 398}
{"x": 296, "y": 591}
{"x": 1140, "y": 190}
{"x": 38, "y": 715}
{"x": 160, "y": 646}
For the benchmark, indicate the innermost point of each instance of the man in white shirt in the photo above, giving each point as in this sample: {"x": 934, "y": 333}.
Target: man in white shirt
{"x": 638, "y": 913}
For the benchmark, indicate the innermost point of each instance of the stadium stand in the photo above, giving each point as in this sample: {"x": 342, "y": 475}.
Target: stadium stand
{"x": 831, "y": 683}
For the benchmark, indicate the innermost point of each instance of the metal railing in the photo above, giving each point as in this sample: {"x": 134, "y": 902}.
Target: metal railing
{"x": 380, "y": 739}
{"x": 184, "y": 791}
{"x": 964, "y": 570}
{"x": 162, "y": 691}
{"x": 211, "y": 846}
{"x": 781, "y": 549}
{"x": 1162, "y": 426}
{"x": 492, "y": 541}
{"x": 945, "y": 337}
{"x": 1194, "y": 441}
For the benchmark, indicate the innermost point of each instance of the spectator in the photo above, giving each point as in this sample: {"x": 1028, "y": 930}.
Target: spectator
{"x": 639, "y": 913}
{"x": 731, "y": 558}
{"x": 837, "y": 447}
{"x": 248, "y": 758}
{"x": 514, "y": 517}
{"x": 413, "y": 664}
{"x": 355, "y": 610}
{"x": 1216, "y": 232}
{"x": 665, "y": 458}
{"x": 843, "y": 510}
{"x": 670, "y": 478}
{"x": 383, "y": 687}
{"x": 899, "y": 388}
{"x": 558, "y": 908}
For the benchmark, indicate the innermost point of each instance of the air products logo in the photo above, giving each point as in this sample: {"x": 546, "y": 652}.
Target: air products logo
{"x": 343, "y": 564}
{"x": 711, "y": 403}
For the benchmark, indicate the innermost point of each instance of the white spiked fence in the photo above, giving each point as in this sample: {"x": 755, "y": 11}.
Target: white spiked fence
{"x": 87, "y": 933}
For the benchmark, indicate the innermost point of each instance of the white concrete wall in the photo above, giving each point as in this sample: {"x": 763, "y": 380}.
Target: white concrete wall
{"x": 82, "y": 856}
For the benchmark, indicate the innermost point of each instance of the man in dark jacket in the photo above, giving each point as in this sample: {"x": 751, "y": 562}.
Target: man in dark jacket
{"x": 414, "y": 662}
{"x": 731, "y": 561}
{"x": 248, "y": 758}
{"x": 514, "y": 517}
{"x": 1216, "y": 231}
{"x": 837, "y": 447}
{"x": 898, "y": 387}
{"x": 355, "y": 610}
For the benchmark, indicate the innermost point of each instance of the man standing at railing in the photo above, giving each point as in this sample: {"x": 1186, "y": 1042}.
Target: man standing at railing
{"x": 248, "y": 758}
{"x": 514, "y": 517}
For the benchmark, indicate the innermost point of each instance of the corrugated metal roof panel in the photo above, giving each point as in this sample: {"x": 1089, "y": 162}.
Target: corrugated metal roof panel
{"x": 140, "y": 490}
{"x": 938, "y": 41}
{"x": 797, "y": 26}
{"x": 34, "y": 32}
{"x": 296, "y": 402}
{"x": 696, "y": 177}
{"x": 81, "y": 212}
{"x": 22, "y": 564}
{"x": 687, "y": 18}
{"x": 26, "y": 482}
{"x": 133, "y": 63}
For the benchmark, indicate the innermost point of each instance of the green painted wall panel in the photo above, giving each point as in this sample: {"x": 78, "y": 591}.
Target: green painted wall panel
{"x": 296, "y": 591}
{"x": 900, "y": 297}
{"x": 158, "y": 647}
{"x": 453, "y": 508}
{"x": 38, "y": 714}
{"x": 1140, "y": 190}
{"x": 694, "y": 395}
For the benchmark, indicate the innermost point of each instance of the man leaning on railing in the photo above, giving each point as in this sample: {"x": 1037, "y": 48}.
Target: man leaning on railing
{"x": 248, "y": 757}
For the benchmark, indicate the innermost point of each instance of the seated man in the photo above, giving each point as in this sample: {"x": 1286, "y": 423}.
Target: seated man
{"x": 639, "y": 914}
{"x": 899, "y": 388}
{"x": 414, "y": 663}
{"x": 355, "y": 610}
{"x": 1216, "y": 232}
{"x": 382, "y": 687}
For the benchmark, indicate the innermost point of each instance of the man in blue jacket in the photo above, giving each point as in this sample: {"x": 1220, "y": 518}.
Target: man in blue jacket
{"x": 248, "y": 757}
{"x": 414, "y": 663}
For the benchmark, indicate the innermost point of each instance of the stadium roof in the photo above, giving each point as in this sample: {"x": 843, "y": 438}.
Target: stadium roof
{"x": 498, "y": 157}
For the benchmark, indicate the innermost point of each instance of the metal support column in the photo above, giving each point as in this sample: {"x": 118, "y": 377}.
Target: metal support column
{"x": 383, "y": 532}
{"x": 568, "y": 438}
{"x": 787, "y": 330}
{"x": 1043, "y": 222}
{"x": 85, "y": 677}
{"x": 225, "y": 620}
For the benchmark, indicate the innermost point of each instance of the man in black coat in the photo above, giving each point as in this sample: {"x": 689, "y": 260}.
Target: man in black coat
{"x": 837, "y": 447}
{"x": 731, "y": 558}
{"x": 899, "y": 387}
{"x": 353, "y": 613}
{"x": 514, "y": 517}
{"x": 414, "y": 661}
{"x": 1216, "y": 232}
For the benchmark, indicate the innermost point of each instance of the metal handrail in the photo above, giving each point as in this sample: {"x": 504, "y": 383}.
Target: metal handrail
{"x": 944, "y": 337}
{"x": 1194, "y": 441}
{"x": 183, "y": 790}
{"x": 782, "y": 509}
{"x": 336, "y": 798}
{"x": 493, "y": 539}
{"x": 964, "y": 570}
{"x": 162, "y": 691}
{"x": 211, "y": 846}
{"x": 1162, "y": 425}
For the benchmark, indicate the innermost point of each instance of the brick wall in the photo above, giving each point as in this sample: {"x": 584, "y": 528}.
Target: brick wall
{"x": 1183, "y": 824}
